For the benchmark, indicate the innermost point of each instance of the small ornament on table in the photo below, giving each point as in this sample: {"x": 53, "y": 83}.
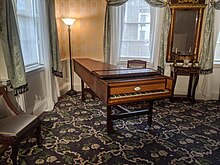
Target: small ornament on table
{"x": 186, "y": 62}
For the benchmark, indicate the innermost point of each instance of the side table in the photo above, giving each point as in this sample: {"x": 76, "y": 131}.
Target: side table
{"x": 192, "y": 72}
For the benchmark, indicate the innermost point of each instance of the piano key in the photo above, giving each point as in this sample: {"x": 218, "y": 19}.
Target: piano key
{"x": 136, "y": 94}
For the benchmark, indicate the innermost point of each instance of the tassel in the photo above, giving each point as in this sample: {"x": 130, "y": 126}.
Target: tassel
{"x": 161, "y": 70}
{"x": 207, "y": 71}
{"x": 57, "y": 73}
{"x": 20, "y": 90}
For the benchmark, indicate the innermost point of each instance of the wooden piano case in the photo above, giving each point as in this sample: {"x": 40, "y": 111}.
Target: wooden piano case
{"x": 115, "y": 86}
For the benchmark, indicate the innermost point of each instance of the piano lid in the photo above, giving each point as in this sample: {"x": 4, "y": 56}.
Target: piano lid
{"x": 125, "y": 72}
{"x": 108, "y": 71}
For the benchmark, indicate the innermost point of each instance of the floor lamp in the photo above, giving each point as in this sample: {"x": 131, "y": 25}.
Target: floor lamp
{"x": 69, "y": 22}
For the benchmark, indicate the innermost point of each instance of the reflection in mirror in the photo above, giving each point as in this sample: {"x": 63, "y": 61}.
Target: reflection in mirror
{"x": 184, "y": 32}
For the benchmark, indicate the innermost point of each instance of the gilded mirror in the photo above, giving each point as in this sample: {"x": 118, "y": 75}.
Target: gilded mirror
{"x": 185, "y": 31}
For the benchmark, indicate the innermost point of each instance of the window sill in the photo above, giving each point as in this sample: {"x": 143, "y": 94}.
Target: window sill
{"x": 34, "y": 68}
{"x": 216, "y": 64}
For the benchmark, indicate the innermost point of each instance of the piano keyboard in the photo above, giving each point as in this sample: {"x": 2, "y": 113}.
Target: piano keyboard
{"x": 126, "y": 95}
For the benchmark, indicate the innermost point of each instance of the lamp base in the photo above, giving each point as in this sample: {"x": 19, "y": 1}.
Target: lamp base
{"x": 71, "y": 92}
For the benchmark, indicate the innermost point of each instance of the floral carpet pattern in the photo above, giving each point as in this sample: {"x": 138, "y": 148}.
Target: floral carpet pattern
{"x": 75, "y": 132}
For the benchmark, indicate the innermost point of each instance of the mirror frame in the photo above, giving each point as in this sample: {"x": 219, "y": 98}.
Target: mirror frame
{"x": 179, "y": 5}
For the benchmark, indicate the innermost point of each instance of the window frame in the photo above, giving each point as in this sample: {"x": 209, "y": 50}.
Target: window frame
{"x": 31, "y": 12}
{"x": 139, "y": 24}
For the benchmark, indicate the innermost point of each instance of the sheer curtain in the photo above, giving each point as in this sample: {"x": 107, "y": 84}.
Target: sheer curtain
{"x": 114, "y": 29}
{"x": 155, "y": 31}
{"x": 117, "y": 24}
{"x": 107, "y": 29}
{"x": 51, "y": 81}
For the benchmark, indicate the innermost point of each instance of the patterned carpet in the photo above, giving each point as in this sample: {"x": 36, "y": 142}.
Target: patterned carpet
{"x": 75, "y": 133}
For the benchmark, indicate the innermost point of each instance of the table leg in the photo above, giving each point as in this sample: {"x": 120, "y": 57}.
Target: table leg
{"x": 174, "y": 76}
{"x": 196, "y": 80}
{"x": 189, "y": 94}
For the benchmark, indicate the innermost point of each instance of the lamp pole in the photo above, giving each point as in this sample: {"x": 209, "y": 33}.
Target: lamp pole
{"x": 69, "y": 22}
{"x": 71, "y": 91}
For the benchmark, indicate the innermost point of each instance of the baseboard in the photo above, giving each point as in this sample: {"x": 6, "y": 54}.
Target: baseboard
{"x": 198, "y": 95}
{"x": 214, "y": 96}
{"x": 64, "y": 88}
{"x": 40, "y": 107}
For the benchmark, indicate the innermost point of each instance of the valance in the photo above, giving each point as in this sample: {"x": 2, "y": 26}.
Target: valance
{"x": 217, "y": 5}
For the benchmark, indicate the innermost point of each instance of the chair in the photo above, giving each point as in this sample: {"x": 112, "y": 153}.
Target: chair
{"x": 15, "y": 125}
{"x": 136, "y": 64}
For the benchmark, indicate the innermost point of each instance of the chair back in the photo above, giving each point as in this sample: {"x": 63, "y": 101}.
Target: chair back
{"x": 136, "y": 64}
{"x": 6, "y": 106}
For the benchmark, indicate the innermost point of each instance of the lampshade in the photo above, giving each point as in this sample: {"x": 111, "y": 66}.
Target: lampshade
{"x": 68, "y": 21}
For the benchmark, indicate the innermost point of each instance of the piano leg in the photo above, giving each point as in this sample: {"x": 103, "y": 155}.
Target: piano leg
{"x": 150, "y": 113}
{"x": 109, "y": 120}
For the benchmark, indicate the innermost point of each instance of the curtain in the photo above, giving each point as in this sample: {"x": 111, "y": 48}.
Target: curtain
{"x": 157, "y": 3}
{"x": 12, "y": 48}
{"x": 117, "y": 15}
{"x": 54, "y": 44}
{"x": 155, "y": 34}
{"x": 164, "y": 38}
{"x": 216, "y": 22}
{"x": 210, "y": 38}
{"x": 165, "y": 31}
{"x": 217, "y": 5}
{"x": 207, "y": 51}
{"x": 109, "y": 36}
{"x": 52, "y": 85}
{"x": 107, "y": 28}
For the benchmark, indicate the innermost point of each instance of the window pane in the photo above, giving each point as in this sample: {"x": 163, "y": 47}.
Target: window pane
{"x": 136, "y": 33}
{"x": 135, "y": 49}
{"x": 217, "y": 49}
{"x": 130, "y": 32}
{"x": 28, "y": 30}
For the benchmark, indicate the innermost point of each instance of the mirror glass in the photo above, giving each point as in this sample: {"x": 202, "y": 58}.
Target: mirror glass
{"x": 184, "y": 32}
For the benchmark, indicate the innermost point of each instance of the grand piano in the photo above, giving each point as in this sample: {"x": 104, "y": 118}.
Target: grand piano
{"x": 116, "y": 86}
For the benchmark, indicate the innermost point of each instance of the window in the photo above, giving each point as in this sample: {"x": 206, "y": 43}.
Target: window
{"x": 217, "y": 49}
{"x": 136, "y": 32}
{"x": 29, "y": 31}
